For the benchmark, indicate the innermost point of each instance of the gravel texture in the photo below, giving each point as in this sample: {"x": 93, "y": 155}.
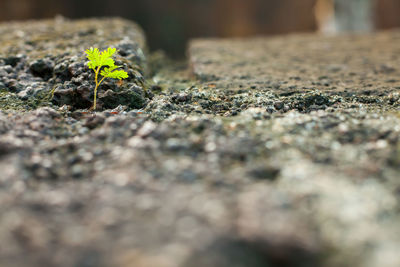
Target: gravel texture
{"x": 262, "y": 152}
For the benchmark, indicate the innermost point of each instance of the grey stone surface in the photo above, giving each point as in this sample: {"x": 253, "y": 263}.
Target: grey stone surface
{"x": 257, "y": 162}
{"x": 343, "y": 64}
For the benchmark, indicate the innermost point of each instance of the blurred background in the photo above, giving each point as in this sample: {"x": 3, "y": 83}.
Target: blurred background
{"x": 170, "y": 23}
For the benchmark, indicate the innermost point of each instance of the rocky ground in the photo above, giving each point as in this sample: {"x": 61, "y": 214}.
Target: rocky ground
{"x": 259, "y": 152}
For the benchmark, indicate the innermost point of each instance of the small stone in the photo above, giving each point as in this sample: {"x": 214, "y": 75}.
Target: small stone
{"x": 14, "y": 86}
{"x": 264, "y": 172}
{"x": 62, "y": 71}
{"x": 270, "y": 109}
{"x": 24, "y": 95}
{"x": 94, "y": 121}
{"x": 279, "y": 105}
{"x": 42, "y": 68}
{"x": 13, "y": 60}
{"x": 77, "y": 170}
{"x": 181, "y": 98}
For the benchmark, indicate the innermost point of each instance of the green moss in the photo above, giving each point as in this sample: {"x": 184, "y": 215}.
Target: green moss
{"x": 10, "y": 101}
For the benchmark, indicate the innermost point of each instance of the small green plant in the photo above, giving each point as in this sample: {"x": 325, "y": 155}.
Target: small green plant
{"x": 98, "y": 60}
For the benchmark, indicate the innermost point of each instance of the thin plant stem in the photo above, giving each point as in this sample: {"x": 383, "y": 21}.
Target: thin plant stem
{"x": 95, "y": 93}
{"x": 97, "y": 86}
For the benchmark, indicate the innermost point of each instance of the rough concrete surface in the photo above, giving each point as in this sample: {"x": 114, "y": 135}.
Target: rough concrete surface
{"x": 278, "y": 151}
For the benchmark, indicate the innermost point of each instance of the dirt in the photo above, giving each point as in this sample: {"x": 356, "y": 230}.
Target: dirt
{"x": 276, "y": 151}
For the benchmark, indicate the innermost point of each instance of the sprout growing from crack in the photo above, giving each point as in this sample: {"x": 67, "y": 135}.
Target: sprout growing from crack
{"x": 98, "y": 60}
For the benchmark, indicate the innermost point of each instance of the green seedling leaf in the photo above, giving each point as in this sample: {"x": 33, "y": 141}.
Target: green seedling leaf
{"x": 100, "y": 59}
{"x": 114, "y": 74}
